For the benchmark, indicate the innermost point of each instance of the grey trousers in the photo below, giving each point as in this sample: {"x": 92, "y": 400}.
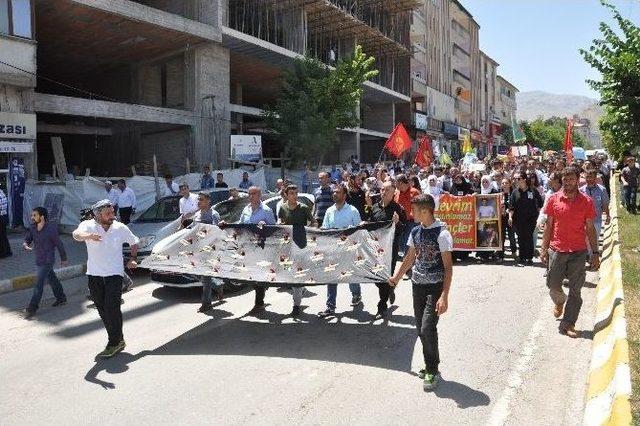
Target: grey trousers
{"x": 297, "y": 295}
{"x": 571, "y": 266}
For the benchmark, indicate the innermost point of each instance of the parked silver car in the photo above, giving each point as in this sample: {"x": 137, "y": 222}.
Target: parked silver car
{"x": 230, "y": 211}
{"x": 162, "y": 219}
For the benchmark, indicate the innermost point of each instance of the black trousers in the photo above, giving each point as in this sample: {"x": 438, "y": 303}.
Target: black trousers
{"x": 526, "y": 244}
{"x": 106, "y": 293}
{"x": 5, "y": 248}
{"x": 125, "y": 215}
{"x": 425, "y": 297}
{"x": 508, "y": 232}
{"x": 384, "y": 290}
{"x": 260, "y": 292}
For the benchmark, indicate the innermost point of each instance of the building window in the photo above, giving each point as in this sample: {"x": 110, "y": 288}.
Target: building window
{"x": 16, "y": 18}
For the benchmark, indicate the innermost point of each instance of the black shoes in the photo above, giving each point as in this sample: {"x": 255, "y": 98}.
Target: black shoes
{"x": 205, "y": 307}
{"x": 356, "y": 300}
{"x": 29, "y": 313}
{"x": 59, "y": 303}
{"x": 296, "y": 311}
{"x": 392, "y": 296}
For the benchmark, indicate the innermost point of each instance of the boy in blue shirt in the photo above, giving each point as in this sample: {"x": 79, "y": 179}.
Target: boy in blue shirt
{"x": 429, "y": 256}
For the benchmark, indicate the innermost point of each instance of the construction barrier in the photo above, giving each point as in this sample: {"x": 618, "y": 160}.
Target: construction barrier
{"x": 609, "y": 384}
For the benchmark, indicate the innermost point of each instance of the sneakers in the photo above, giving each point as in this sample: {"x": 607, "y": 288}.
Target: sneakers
{"x": 380, "y": 314}
{"x": 59, "y": 303}
{"x": 356, "y": 300}
{"x": 430, "y": 381}
{"x": 392, "y": 296}
{"x": 205, "y": 307}
{"x": 296, "y": 311}
{"x": 110, "y": 351}
{"x": 558, "y": 310}
{"x": 327, "y": 313}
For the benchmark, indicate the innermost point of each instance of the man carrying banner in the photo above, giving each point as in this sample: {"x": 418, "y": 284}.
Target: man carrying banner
{"x": 206, "y": 214}
{"x": 387, "y": 210}
{"x": 257, "y": 213}
{"x": 340, "y": 216}
{"x": 293, "y": 212}
{"x": 429, "y": 255}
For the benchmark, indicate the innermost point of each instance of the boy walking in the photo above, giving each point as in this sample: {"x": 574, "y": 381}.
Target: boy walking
{"x": 429, "y": 256}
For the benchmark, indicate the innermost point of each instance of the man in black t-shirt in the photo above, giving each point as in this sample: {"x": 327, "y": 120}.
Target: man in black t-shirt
{"x": 220, "y": 183}
{"x": 293, "y": 212}
{"x": 387, "y": 210}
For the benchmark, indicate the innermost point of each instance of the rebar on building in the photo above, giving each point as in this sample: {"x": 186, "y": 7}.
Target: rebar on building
{"x": 330, "y": 29}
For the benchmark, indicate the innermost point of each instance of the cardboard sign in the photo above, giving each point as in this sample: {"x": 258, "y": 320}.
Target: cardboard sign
{"x": 474, "y": 221}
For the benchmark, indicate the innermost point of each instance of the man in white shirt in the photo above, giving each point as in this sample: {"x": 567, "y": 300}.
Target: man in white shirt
{"x": 104, "y": 237}
{"x": 126, "y": 202}
{"x": 170, "y": 187}
{"x": 188, "y": 202}
{"x": 112, "y": 194}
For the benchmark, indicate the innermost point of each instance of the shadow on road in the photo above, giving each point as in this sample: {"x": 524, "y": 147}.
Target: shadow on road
{"x": 463, "y": 395}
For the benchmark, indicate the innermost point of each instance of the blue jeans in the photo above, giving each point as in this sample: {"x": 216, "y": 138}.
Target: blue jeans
{"x": 45, "y": 272}
{"x": 598, "y": 225}
{"x": 332, "y": 294}
{"x": 207, "y": 284}
{"x": 630, "y": 197}
{"x": 408, "y": 227}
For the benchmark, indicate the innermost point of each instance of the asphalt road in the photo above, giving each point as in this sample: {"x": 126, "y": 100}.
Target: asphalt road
{"x": 503, "y": 361}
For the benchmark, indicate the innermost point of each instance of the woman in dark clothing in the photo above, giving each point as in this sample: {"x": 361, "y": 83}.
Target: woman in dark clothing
{"x": 507, "y": 230}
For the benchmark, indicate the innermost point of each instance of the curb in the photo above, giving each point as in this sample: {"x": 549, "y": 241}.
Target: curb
{"x": 609, "y": 382}
{"x": 27, "y": 281}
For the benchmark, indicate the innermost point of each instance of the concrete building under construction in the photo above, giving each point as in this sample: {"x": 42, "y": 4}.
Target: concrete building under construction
{"x": 121, "y": 80}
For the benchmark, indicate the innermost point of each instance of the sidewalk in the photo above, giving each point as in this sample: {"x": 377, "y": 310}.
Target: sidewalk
{"x": 18, "y": 271}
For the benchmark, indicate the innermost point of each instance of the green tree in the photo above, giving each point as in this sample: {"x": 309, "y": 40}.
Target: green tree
{"x": 315, "y": 101}
{"x": 617, "y": 57}
{"x": 549, "y": 134}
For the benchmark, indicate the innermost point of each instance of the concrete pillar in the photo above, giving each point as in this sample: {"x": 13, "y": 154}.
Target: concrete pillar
{"x": 238, "y": 101}
{"x": 349, "y": 145}
{"x": 208, "y": 91}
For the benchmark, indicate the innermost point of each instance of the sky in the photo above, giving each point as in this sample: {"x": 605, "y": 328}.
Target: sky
{"x": 536, "y": 42}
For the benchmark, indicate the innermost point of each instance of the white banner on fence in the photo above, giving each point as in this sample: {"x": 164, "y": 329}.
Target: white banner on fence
{"x": 80, "y": 194}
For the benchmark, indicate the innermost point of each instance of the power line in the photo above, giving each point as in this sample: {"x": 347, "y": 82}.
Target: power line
{"x": 93, "y": 95}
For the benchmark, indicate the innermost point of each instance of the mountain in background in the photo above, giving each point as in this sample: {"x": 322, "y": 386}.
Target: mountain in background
{"x": 532, "y": 105}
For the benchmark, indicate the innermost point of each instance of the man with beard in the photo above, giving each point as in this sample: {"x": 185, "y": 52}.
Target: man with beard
{"x": 570, "y": 216}
{"x": 104, "y": 237}
{"x": 388, "y": 210}
{"x": 524, "y": 205}
{"x": 43, "y": 238}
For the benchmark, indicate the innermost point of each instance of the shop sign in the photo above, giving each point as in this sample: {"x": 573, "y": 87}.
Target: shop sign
{"x": 15, "y": 147}
{"x": 421, "y": 121}
{"x": 17, "y": 126}
{"x": 450, "y": 129}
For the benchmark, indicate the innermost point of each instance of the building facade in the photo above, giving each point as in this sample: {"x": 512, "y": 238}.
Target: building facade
{"x": 431, "y": 75}
{"x": 506, "y": 105}
{"x": 490, "y": 123}
{"x": 123, "y": 81}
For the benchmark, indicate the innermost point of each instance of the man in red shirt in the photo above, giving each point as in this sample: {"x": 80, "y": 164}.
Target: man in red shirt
{"x": 406, "y": 193}
{"x": 570, "y": 216}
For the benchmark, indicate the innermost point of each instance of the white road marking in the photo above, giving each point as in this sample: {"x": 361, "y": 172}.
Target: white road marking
{"x": 502, "y": 408}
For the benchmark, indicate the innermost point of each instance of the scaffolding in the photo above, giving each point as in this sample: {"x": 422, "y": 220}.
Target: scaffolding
{"x": 330, "y": 29}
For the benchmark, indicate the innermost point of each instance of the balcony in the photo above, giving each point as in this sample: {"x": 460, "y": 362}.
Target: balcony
{"x": 22, "y": 54}
{"x": 463, "y": 106}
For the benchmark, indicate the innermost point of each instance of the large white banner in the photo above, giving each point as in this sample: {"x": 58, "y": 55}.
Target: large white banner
{"x": 17, "y": 126}
{"x": 246, "y": 148}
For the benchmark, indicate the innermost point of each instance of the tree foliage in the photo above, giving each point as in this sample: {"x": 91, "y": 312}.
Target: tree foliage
{"x": 549, "y": 134}
{"x": 315, "y": 101}
{"x": 617, "y": 57}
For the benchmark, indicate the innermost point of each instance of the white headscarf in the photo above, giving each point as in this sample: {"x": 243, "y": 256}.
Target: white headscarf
{"x": 489, "y": 187}
{"x": 431, "y": 186}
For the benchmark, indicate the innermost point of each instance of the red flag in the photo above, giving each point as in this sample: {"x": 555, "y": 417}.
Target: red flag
{"x": 399, "y": 141}
{"x": 424, "y": 156}
{"x": 568, "y": 143}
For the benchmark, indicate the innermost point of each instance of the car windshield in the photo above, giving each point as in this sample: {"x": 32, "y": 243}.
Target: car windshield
{"x": 163, "y": 210}
{"x": 230, "y": 210}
